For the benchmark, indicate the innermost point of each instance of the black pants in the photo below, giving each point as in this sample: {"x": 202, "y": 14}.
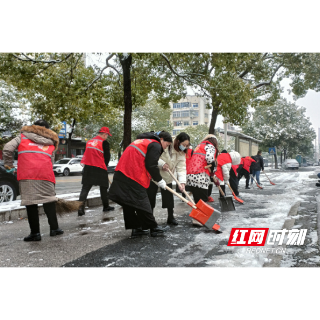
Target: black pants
{"x": 103, "y": 192}
{"x": 135, "y": 218}
{"x": 245, "y": 173}
{"x": 166, "y": 196}
{"x": 33, "y": 216}
{"x": 233, "y": 180}
{"x": 199, "y": 193}
{"x": 210, "y": 187}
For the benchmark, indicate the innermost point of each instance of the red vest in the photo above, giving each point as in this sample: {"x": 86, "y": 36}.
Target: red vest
{"x": 188, "y": 159}
{"x": 247, "y": 163}
{"x": 133, "y": 162}
{"x": 34, "y": 161}
{"x": 198, "y": 160}
{"x": 94, "y": 154}
{"x": 222, "y": 159}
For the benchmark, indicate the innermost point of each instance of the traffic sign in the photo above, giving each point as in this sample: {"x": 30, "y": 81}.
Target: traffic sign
{"x": 272, "y": 151}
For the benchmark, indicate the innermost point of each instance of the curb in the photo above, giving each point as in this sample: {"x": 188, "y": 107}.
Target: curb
{"x": 288, "y": 224}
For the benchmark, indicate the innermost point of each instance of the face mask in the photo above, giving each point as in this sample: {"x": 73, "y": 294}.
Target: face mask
{"x": 182, "y": 148}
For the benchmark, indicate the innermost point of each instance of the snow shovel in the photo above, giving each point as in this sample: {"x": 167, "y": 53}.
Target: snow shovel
{"x": 201, "y": 212}
{"x": 226, "y": 203}
{"x": 269, "y": 179}
{"x": 234, "y": 195}
{"x": 255, "y": 181}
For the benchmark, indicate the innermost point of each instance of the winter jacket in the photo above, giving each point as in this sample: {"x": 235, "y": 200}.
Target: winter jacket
{"x": 225, "y": 161}
{"x": 258, "y": 164}
{"x": 176, "y": 162}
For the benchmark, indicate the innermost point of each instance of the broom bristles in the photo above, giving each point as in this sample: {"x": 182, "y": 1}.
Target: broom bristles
{"x": 67, "y": 206}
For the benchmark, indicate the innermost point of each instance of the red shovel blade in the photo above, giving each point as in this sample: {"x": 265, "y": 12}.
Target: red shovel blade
{"x": 236, "y": 198}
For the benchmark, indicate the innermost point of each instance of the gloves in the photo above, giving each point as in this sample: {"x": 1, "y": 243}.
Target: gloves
{"x": 11, "y": 170}
{"x": 216, "y": 182}
{"x": 162, "y": 184}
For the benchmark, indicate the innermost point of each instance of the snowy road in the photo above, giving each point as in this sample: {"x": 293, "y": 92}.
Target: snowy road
{"x": 189, "y": 246}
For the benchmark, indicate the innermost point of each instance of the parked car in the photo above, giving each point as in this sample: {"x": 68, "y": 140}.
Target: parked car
{"x": 290, "y": 164}
{"x": 9, "y": 186}
{"x": 80, "y": 156}
{"x": 66, "y": 166}
{"x": 111, "y": 166}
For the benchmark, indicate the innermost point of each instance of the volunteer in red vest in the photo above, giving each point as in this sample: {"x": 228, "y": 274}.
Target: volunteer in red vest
{"x": 36, "y": 145}
{"x": 245, "y": 169}
{"x": 137, "y": 166}
{"x": 95, "y": 160}
{"x": 198, "y": 178}
{"x": 225, "y": 162}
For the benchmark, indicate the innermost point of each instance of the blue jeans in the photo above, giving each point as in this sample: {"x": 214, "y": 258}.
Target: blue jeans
{"x": 257, "y": 175}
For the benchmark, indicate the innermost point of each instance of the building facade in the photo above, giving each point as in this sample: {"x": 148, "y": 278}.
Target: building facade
{"x": 189, "y": 111}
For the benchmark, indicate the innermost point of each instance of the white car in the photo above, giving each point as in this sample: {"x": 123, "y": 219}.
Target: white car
{"x": 290, "y": 164}
{"x": 66, "y": 166}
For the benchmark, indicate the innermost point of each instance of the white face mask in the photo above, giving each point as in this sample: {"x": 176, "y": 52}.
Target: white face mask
{"x": 182, "y": 148}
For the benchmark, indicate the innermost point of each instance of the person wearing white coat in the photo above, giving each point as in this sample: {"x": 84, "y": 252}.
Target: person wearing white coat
{"x": 175, "y": 160}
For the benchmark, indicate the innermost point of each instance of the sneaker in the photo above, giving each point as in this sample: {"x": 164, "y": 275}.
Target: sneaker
{"x": 56, "y": 232}
{"x": 247, "y": 187}
{"x": 105, "y": 209}
{"x": 138, "y": 232}
{"x": 158, "y": 231}
{"x": 33, "y": 237}
{"x": 318, "y": 184}
{"x": 172, "y": 221}
{"x": 210, "y": 199}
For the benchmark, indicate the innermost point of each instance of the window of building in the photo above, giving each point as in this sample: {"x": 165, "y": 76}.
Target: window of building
{"x": 195, "y": 105}
{"x": 175, "y": 132}
{"x": 194, "y": 113}
{"x": 195, "y": 123}
{"x": 185, "y": 104}
{"x": 176, "y": 114}
{"x": 176, "y": 105}
{"x": 185, "y": 114}
{"x": 177, "y": 123}
{"x": 186, "y": 123}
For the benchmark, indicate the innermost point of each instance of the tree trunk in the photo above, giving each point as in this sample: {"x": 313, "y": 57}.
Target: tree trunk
{"x": 126, "y": 67}
{"x": 214, "y": 117}
{"x": 70, "y": 137}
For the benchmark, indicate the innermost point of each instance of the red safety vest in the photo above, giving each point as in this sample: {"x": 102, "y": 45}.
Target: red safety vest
{"x": 247, "y": 163}
{"x": 133, "y": 162}
{"x": 188, "y": 159}
{"x": 222, "y": 159}
{"x": 94, "y": 154}
{"x": 34, "y": 161}
{"x": 198, "y": 160}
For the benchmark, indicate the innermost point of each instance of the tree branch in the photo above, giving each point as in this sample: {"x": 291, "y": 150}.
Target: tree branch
{"x": 41, "y": 61}
{"x": 268, "y": 83}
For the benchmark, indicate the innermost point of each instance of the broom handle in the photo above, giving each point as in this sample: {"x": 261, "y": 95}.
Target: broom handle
{"x": 178, "y": 195}
{"x": 266, "y": 175}
{"x": 176, "y": 180}
{"x": 231, "y": 189}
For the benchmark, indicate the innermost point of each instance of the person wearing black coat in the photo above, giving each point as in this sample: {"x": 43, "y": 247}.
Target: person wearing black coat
{"x": 97, "y": 176}
{"x": 257, "y": 166}
{"x": 132, "y": 196}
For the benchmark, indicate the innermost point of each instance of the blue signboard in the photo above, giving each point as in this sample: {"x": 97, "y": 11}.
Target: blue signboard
{"x": 63, "y": 131}
{"x": 272, "y": 150}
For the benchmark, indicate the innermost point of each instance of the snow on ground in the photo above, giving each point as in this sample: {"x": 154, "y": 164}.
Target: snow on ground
{"x": 260, "y": 211}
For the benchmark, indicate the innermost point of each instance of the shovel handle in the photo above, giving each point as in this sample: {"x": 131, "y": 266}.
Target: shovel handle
{"x": 178, "y": 195}
{"x": 255, "y": 181}
{"x": 208, "y": 166}
{"x": 176, "y": 180}
{"x": 214, "y": 179}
